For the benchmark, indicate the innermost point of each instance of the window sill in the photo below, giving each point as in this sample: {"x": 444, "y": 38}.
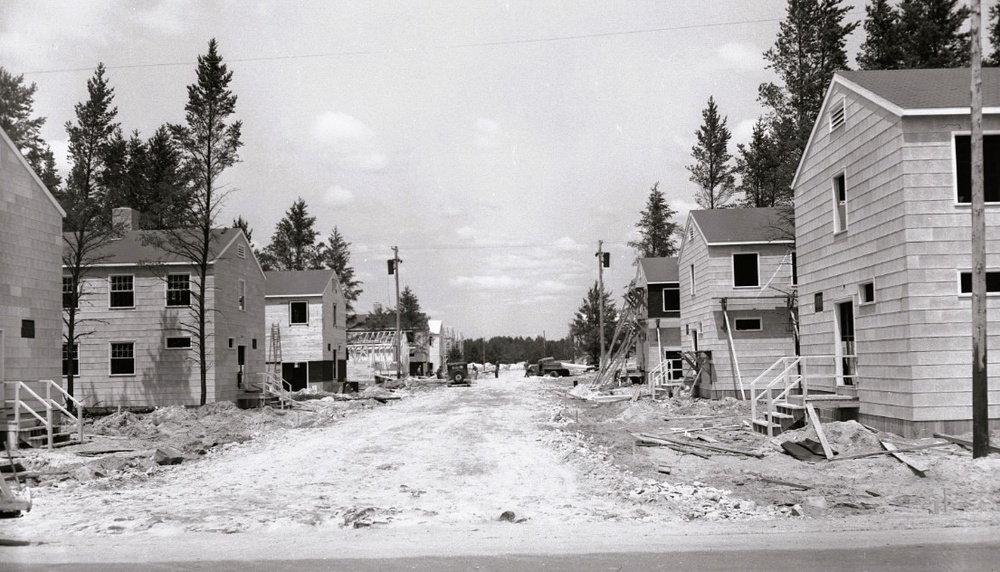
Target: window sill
{"x": 121, "y": 375}
{"x": 121, "y": 307}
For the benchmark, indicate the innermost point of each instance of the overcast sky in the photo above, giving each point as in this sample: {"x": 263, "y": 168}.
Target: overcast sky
{"x": 495, "y": 142}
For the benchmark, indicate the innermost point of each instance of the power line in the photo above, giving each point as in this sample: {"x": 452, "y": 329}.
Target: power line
{"x": 496, "y": 43}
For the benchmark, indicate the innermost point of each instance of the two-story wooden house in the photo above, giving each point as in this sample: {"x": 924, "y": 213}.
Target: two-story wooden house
{"x": 659, "y": 345}
{"x": 30, "y": 270}
{"x": 306, "y": 317}
{"x": 736, "y": 269}
{"x": 883, "y": 235}
{"x": 139, "y": 346}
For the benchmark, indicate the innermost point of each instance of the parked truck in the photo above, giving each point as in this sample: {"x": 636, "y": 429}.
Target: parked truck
{"x": 551, "y": 367}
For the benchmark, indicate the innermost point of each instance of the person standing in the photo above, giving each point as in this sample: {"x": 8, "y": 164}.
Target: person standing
{"x": 496, "y": 371}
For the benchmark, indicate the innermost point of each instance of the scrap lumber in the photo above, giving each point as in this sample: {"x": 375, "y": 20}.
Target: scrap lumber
{"x": 814, "y": 419}
{"x": 679, "y": 447}
{"x": 963, "y": 442}
{"x": 708, "y": 446}
{"x": 692, "y": 417}
{"x": 782, "y": 483}
{"x": 688, "y": 430}
{"x": 897, "y": 450}
{"x": 919, "y": 468}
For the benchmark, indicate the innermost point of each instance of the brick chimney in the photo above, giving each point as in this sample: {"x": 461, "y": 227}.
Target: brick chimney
{"x": 124, "y": 219}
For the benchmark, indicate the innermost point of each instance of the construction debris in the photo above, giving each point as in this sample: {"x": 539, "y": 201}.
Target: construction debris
{"x": 964, "y": 442}
{"x": 919, "y": 468}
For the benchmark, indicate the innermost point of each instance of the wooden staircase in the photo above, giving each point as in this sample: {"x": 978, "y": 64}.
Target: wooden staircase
{"x": 779, "y": 396}
{"x": 38, "y": 415}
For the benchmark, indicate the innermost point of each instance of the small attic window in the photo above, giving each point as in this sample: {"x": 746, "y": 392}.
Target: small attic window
{"x": 838, "y": 115}
{"x": 241, "y": 251}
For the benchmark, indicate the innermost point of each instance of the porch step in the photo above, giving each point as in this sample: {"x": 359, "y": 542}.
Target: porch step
{"x": 826, "y": 401}
{"x": 761, "y": 426}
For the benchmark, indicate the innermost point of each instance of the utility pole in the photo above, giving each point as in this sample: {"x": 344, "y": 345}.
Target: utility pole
{"x": 980, "y": 377}
{"x": 394, "y": 269}
{"x": 601, "y": 262}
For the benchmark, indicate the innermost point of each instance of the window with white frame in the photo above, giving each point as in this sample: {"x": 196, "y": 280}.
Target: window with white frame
{"x": 298, "y": 312}
{"x": 748, "y": 324}
{"x": 991, "y": 168}
{"x": 179, "y": 343}
{"x": 122, "y": 291}
{"x": 70, "y": 359}
{"x": 672, "y": 301}
{"x": 866, "y": 292}
{"x": 68, "y": 293}
{"x": 122, "y": 358}
{"x": 840, "y": 203}
{"x": 992, "y": 282}
{"x": 178, "y": 289}
{"x": 746, "y": 271}
{"x": 242, "y": 293}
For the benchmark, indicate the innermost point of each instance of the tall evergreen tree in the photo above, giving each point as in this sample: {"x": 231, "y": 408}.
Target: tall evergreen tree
{"x": 656, "y": 227}
{"x": 993, "y": 26}
{"x": 336, "y": 255}
{"x": 244, "y": 225}
{"x": 930, "y": 34}
{"x": 881, "y": 49}
{"x": 586, "y": 324}
{"x": 712, "y": 171}
{"x": 293, "y": 244}
{"x": 208, "y": 145}
{"x": 410, "y": 315}
{"x": 87, "y": 224}
{"x": 17, "y": 102}
{"x": 757, "y": 164}
{"x": 810, "y": 47}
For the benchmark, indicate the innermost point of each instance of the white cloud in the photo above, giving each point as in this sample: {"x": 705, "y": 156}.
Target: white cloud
{"x": 740, "y": 56}
{"x": 567, "y": 244}
{"x": 337, "y": 196}
{"x": 488, "y": 133}
{"x": 486, "y": 282}
{"x": 169, "y": 18}
{"x": 466, "y": 232}
{"x": 349, "y": 140}
{"x": 742, "y": 132}
{"x": 60, "y": 150}
{"x": 551, "y": 287}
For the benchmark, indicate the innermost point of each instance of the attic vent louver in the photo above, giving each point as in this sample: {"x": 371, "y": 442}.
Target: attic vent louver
{"x": 241, "y": 251}
{"x": 838, "y": 115}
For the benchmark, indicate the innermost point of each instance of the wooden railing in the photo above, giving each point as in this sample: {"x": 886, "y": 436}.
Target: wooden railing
{"x": 49, "y": 403}
{"x": 275, "y": 386}
{"x": 776, "y": 383}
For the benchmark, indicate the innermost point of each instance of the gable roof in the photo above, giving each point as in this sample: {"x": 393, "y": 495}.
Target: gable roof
{"x": 138, "y": 246}
{"x": 34, "y": 176}
{"x": 298, "y": 282}
{"x": 659, "y": 270}
{"x": 743, "y": 226}
{"x": 923, "y": 92}
{"x": 907, "y": 93}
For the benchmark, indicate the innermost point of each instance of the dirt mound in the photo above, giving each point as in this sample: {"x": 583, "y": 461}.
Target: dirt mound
{"x": 845, "y": 437}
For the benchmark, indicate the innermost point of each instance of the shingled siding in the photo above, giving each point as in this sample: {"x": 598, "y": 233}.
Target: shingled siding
{"x": 906, "y": 234}
{"x": 245, "y": 327}
{"x": 702, "y": 310}
{"x": 30, "y": 273}
{"x": 162, "y": 376}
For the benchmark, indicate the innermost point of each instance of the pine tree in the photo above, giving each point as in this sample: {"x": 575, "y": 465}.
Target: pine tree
{"x": 656, "y": 229}
{"x": 208, "y": 145}
{"x": 242, "y": 224}
{"x": 410, "y": 316}
{"x": 757, "y": 164}
{"x": 87, "y": 224}
{"x": 808, "y": 51}
{"x": 881, "y": 49}
{"x": 293, "y": 244}
{"x": 993, "y": 59}
{"x": 712, "y": 171}
{"x": 930, "y": 34}
{"x": 17, "y": 102}
{"x": 586, "y": 324}
{"x": 336, "y": 255}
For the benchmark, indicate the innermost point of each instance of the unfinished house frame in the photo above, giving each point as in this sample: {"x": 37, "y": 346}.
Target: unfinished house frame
{"x": 736, "y": 270}
{"x": 372, "y": 355}
{"x": 883, "y": 235}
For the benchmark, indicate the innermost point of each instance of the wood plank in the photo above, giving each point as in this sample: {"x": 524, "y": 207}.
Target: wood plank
{"x": 919, "y": 468}
{"x": 814, "y": 419}
{"x": 897, "y": 450}
{"x": 701, "y": 445}
{"x": 963, "y": 442}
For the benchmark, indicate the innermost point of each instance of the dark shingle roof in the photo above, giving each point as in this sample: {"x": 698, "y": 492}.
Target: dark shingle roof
{"x": 721, "y": 226}
{"x": 298, "y": 282}
{"x": 927, "y": 88}
{"x": 139, "y": 246}
{"x": 659, "y": 270}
